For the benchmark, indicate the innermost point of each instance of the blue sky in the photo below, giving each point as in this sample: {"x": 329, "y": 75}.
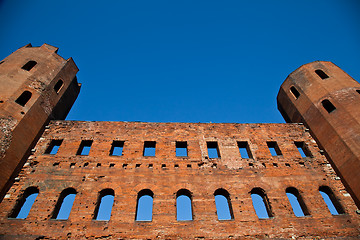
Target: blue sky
{"x": 185, "y": 61}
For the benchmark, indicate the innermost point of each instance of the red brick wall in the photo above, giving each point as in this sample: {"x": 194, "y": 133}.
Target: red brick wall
{"x": 231, "y": 173}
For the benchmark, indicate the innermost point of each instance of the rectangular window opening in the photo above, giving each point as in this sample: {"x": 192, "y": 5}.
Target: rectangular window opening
{"x": 244, "y": 150}
{"x": 84, "y": 148}
{"x": 53, "y": 147}
{"x": 274, "y": 149}
{"x": 181, "y": 149}
{"x": 116, "y": 148}
{"x": 213, "y": 150}
{"x": 329, "y": 107}
{"x": 303, "y": 149}
{"x": 149, "y": 148}
{"x": 295, "y": 92}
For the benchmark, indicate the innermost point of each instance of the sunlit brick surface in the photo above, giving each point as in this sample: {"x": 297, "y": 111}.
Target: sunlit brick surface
{"x": 130, "y": 173}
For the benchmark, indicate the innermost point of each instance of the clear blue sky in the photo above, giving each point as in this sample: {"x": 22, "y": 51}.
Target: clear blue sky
{"x": 185, "y": 61}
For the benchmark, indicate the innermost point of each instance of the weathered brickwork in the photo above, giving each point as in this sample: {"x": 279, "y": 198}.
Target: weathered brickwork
{"x": 37, "y": 85}
{"x": 326, "y": 100}
{"x": 130, "y": 173}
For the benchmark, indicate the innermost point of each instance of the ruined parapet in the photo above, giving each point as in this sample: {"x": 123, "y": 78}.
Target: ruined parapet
{"x": 37, "y": 85}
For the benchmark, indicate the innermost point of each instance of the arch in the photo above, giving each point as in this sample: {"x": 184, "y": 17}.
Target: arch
{"x": 223, "y": 204}
{"x": 144, "y": 205}
{"x": 24, "y": 203}
{"x": 58, "y": 86}
{"x": 321, "y": 74}
{"x": 64, "y": 204}
{"x": 329, "y": 107}
{"x": 104, "y": 205}
{"x": 23, "y": 98}
{"x": 261, "y": 203}
{"x": 296, "y": 202}
{"x": 184, "y": 205}
{"x": 331, "y": 201}
{"x": 29, "y": 65}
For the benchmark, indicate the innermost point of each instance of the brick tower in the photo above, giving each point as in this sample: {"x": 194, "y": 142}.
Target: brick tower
{"x": 326, "y": 100}
{"x": 37, "y": 85}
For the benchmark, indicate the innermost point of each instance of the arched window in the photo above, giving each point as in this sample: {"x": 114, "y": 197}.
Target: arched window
{"x": 223, "y": 205}
{"x": 29, "y": 65}
{"x": 144, "y": 205}
{"x": 64, "y": 204}
{"x": 104, "y": 205}
{"x": 329, "y": 107}
{"x": 58, "y": 86}
{"x": 295, "y": 92}
{"x": 23, "y": 98}
{"x": 321, "y": 74}
{"x": 261, "y": 203}
{"x": 183, "y": 205}
{"x": 332, "y": 203}
{"x": 24, "y": 203}
{"x": 297, "y": 203}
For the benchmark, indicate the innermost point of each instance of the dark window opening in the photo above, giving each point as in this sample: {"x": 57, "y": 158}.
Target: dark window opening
{"x": 125, "y": 165}
{"x": 213, "y": 150}
{"x": 149, "y": 148}
{"x": 144, "y": 205}
{"x": 358, "y": 91}
{"x": 23, "y": 98}
{"x": 64, "y": 204}
{"x": 58, "y": 86}
{"x": 244, "y": 150}
{"x": 183, "y": 205}
{"x": 188, "y": 165}
{"x": 85, "y": 147}
{"x": 176, "y": 165}
{"x": 104, "y": 205}
{"x": 214, "y": 165}
{"x": 331, "y": 201}
{"x": 150, "y": 165}
{"x": 303, "y": 149}
{"x": 98, "y": 165}
{"x": 163, "y": 165}
{"x": 251, "y": 164}
{"x": 116, "y": 148}
{"x": 72, "y": 165}
{"x": 86, "y": 164}
{"x": 275, "y": 164}
{"x": 329, "y": 107}
{"x": 24, "y": 203}
{"x": 223, "y": 205}
{"x": 296, "y": 202}
{"x": 137, "y": 165}
{"x": 112, "y": 165}
{"x": 274, "y": 148}
{"x": 53, "y": 147}
{"x": 56, "y": 164}
{"x": 321, "y": 74}
{"x": 287, "y": 164}
{"x": 181, "y": 149}
{"x": 29, "y": 65}
{"x": 295, "y": 92}
{"x": 261, "y": 203}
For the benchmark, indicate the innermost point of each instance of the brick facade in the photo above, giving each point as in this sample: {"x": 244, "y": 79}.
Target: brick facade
{"x": 130, "y": 173}
{"x": 164, "y": 176}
